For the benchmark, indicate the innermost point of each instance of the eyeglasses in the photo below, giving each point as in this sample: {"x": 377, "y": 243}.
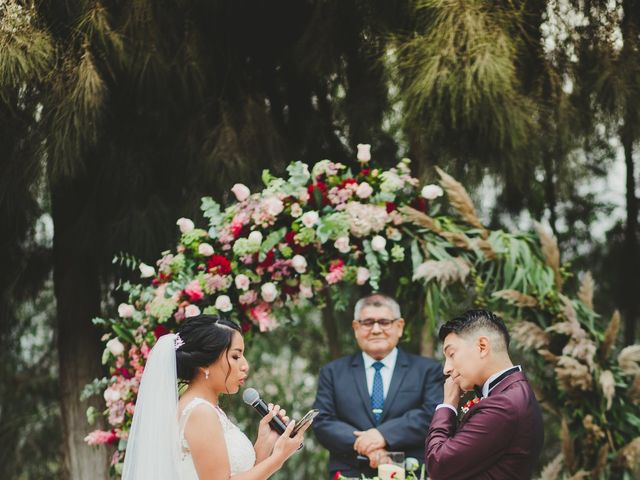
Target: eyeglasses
{"x": 384, "y": 323}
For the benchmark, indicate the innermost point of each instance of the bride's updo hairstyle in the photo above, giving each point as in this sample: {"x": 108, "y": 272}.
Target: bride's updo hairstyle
{"x": 204, "y": 338}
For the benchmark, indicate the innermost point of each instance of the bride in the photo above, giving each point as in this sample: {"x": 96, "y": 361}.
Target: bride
{"x": 191, "y": 438}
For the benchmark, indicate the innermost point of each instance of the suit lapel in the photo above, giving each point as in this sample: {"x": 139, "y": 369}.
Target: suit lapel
{"x": 399, "y": 372}
{"x": 360, "y": 380}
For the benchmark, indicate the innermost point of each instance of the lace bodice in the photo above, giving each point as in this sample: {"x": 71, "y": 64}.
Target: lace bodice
{"x": 242, "y": 456}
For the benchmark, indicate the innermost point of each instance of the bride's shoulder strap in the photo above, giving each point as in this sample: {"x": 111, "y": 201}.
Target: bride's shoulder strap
{"x": 196, "y": 401}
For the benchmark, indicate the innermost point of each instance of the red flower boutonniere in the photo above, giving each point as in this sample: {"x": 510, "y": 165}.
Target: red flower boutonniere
{"x": 465, "y": 408}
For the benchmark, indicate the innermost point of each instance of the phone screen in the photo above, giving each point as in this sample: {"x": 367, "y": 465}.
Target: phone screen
{"x": 308, "y": 417}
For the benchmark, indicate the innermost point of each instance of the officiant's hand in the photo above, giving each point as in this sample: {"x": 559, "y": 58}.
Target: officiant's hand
{"x": 266, "y": 435}
{"x": 368, "y": 441}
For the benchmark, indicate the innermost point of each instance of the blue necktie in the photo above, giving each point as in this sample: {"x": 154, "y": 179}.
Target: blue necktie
{"x": 377, "y": 393}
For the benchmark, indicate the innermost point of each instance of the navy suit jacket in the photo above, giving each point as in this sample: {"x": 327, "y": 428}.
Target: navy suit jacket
{"x": 500, "y": 438}
{"x": 345, "y": 406}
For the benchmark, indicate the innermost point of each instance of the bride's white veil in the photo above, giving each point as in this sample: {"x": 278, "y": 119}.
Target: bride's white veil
{"x": 153, "y": 444}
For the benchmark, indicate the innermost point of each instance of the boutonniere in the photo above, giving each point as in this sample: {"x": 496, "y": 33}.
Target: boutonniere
{"x": 465, "y": 408}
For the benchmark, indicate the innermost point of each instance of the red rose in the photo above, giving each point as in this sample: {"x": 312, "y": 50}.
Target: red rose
{"x": 420, "y": 204}
{"x": 337, "y": 475}
{"x": 390, "y": 206}
{"x": 246, "y": 326}
{"x": 318, "y": 193}
{"x": 348, "y": 181}
{"x": 124, "y": 372}
{"x": 268, "y": 260}
{"x": 219, "y": 264}
{"x": 159, "y": 331}
{"x": 365, "y": 171}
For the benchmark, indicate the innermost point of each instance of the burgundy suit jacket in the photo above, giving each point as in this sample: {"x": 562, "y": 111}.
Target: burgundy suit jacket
{"x": 499, "y": 438}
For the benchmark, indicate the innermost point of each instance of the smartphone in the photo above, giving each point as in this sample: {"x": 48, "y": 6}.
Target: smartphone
{"x": 308, "y": 418}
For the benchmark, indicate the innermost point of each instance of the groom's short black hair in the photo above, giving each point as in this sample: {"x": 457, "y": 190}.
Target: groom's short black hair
{"x": 474, "y": 319}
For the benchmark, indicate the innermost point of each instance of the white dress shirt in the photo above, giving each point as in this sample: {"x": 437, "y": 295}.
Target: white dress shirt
{"x": 386, "y": 372}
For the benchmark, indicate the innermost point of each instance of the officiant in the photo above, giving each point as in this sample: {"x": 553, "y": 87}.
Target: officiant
{"x": 379, "y": 398}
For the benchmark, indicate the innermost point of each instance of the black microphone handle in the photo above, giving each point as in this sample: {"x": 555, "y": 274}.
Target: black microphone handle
{"x": 276, "y": 422}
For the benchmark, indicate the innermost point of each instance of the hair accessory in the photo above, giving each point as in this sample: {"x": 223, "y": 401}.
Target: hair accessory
{"x": 178, "y": 342}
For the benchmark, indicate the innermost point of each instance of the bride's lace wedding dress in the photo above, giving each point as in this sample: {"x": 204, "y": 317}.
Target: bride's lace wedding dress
{"x": 242, "y": 456}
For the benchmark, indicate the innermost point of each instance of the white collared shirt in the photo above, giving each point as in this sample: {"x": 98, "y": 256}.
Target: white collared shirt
{"x": 386, "y": 372}
{"x": 485, "y": 387}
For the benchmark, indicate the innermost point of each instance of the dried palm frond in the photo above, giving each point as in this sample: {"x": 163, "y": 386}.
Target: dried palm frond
{"x": 633, "y": 394}
{"x": 580, "y": 475}
{"x": 629, "y": 360}
{"x": 419, "y": 218}
{"x": 485, "y": 247}
{"x": 552, "y": 470}
{"x": 529, "y": 336}
{"x": 608, "y": 385}
{"x": 585, "y": 294}
{"x": 610, "y": 335}
{"x": 566, "y": 444}
{"x": 461, "y": 201}
{"x": 593, "y": 429}
{"x": 601, "y": 462}
{"x": 445, "y": 272}
{"x": 548, "y": 356}
{"x": 550, "y": 251}
{"x": 458, "y": 239}
{"x": 573, "y": 375}
{"x": 630, "y": 454}
{"x": 517, "y": 298}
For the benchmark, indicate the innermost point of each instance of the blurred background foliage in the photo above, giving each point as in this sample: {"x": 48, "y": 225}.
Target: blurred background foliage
{"x": 117, "y": 116}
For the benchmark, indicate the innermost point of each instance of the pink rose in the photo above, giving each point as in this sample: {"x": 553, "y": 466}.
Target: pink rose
{"x": 364, "y": 152}
{"x": 306, "y": 291}
{"x": 194, "y": 291}
{"x": 268, "y": 292}
{"x": 242, "y": 282}
{"x": 185, "y": 225}
{"x": 205, "y": 249}
{"x": 342, "y": 244}
{"x": 309, "y": 219}
{"x": 191, "y": 311}
{"x": 299, "y": 263}
{"x": 223, "y": 303}
{"x": 273, "y": 206}
{"x": 125, "y": 310}
{"x": 248, "y": 298}
{"x": 241, "y": 192}
{"x": 364, "y": 190}
{"x": 362, "y": 275}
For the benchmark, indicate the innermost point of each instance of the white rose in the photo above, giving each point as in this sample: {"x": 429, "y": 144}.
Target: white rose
{"x": 362, "y": 275}
{"x": 146, "y": 271}
{"x": 431, "y": 191}
{"x": 299, "y": 263}
{"x": 242, "y": 282}
{"x": 274, "y": 206}
{"x": 185, "y": 225}
{"x": 342, "y": 245}
{"x": 364, "y": 152}
{"x": 255, "y": 237}
{"x": 191, "y": 311}
{"x": 309, "y": 219}
{"x": 296, "y": 210}
{"x": 223, "y": 303}
{"x": 364, "y": 190}
{"x": 378, "y": 243}
{"x": 111, "y": 395}
{"x": 269, "y": 292}
{"x": 205, "y": 249}
{"x": 115, "y": 346}
{"x": 241, "y": 192}
{"x": 125, "y": 310}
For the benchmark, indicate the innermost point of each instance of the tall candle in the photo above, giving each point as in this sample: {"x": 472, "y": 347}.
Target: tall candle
{"x": 386, "y": 471}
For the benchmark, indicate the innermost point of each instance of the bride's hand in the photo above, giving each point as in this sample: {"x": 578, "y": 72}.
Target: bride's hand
{"x": 266, "y": 435}
{"x": 286, "y": 445}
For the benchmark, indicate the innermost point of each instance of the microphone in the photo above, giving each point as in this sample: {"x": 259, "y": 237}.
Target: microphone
{"x": 252, "y": 397}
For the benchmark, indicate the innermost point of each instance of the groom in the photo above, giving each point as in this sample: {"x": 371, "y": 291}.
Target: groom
{"x": 378, "y": 399}
{"x": 500, "y": 436}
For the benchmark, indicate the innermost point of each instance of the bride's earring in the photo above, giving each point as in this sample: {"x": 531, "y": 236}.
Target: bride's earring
{"x": 206, "y": 374}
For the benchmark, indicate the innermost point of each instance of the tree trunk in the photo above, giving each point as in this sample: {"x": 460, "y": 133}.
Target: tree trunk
{"x": 631, "y": 257}
{"x": 77, "y": 292}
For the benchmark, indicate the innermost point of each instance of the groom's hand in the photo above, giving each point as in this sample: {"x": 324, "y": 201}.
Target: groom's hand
{"x": 368, "y": 441}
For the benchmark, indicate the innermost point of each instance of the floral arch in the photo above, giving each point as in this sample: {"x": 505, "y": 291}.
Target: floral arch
{"x": 306, "y": 237}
